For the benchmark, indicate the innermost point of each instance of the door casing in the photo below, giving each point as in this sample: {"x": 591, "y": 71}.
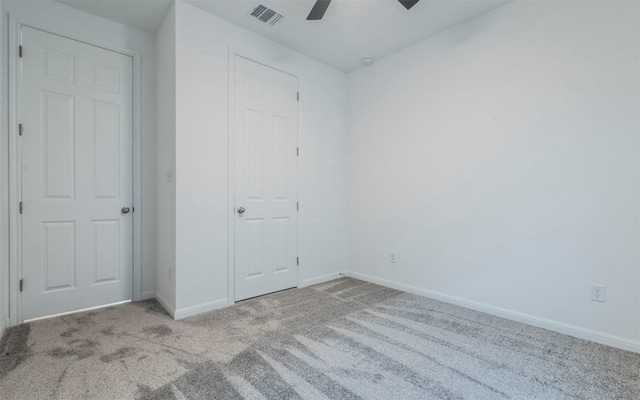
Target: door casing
{"x": 231, "y": 213}
{"x": 11, "y": 269}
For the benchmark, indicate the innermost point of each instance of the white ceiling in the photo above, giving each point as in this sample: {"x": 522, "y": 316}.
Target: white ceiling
{"x": 349, "y": 31}
{"x": 145, "y": 15}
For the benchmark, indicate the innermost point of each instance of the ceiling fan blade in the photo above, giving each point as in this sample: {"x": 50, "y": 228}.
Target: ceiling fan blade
{"x": 408, "y": 3}
{"x": 318, "y": 10}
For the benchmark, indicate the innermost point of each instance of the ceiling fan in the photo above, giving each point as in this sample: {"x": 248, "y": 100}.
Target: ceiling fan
{"x": 318, "y": 10}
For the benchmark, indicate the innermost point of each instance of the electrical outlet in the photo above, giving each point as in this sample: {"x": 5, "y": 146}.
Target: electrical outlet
{"x": 599, "y": 293}
{"x": 392, "y": 257}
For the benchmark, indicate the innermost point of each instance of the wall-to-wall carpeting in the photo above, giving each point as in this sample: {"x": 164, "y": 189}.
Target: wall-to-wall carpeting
{"x": 344, "y": 339}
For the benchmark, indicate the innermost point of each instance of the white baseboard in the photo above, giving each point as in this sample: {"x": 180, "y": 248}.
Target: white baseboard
{"x": 147, "y": 296}
{"x": 560, "y": 327}
{"x": 164, "y": 303}
{"x": 321, "y": 279}
{"x": 200, "y": 308}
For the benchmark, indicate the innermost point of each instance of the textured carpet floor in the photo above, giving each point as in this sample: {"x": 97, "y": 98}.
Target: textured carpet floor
{"x": 344, "y": 339}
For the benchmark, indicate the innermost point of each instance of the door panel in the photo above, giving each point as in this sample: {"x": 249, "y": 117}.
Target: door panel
{"x": 59, "y": 142}
{"x": 107, "y": 247}
{"x": 76, "y": 153}
{"x": 59, "y": 255}
{"x": 266, "y": 181}
{"x": 106, "y": 149}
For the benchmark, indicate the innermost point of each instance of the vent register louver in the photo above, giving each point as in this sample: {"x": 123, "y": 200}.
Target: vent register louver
{"x": 265, "y": 15}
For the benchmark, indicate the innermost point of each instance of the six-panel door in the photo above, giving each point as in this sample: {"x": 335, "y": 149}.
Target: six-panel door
{"x": 76, "y": 151}
{"x": 266, "y": 183}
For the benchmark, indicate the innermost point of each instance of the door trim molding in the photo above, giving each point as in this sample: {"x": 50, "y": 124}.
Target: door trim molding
{"x": 11, "y": 270}
{"x": 231, "y": 212}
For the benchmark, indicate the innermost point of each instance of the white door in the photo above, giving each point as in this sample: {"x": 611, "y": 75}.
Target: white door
{"x": 76, "y": 154}
{"x": 266, "y": 179}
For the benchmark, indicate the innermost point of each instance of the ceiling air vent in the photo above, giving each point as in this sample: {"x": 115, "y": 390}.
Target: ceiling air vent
{"x": 265, "y": 15}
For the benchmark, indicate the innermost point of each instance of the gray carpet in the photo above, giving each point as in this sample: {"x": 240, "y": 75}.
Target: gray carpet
{"x": 344, "y": 339}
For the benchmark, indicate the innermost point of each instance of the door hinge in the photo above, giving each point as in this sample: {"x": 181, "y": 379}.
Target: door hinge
{"x": 20, "y": 207}
{"x": 297, "y": 260}
{"x": 20, "y": 51}
{"x": 297, "y": 206}
{"x": 21, "y": 284}
{"x": 297, "y": 151}
{"x": 20, "y": 129}
{"x": 298, "y": 96}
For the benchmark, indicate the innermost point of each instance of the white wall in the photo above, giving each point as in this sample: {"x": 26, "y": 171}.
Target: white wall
{"x": 49, "y": 15}
{"x": 166, "y": 159}
{"x": 202, "y": 79}
{"x": 500, "y": 160}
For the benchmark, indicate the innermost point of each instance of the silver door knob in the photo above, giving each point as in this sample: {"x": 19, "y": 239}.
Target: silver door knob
{"x": 125, "y": 210}
{"x": 241, "y": 210}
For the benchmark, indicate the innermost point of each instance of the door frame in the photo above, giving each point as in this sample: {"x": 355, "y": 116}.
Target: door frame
{"x": 13, "y": 271}
{"x": 231, "y": 189}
